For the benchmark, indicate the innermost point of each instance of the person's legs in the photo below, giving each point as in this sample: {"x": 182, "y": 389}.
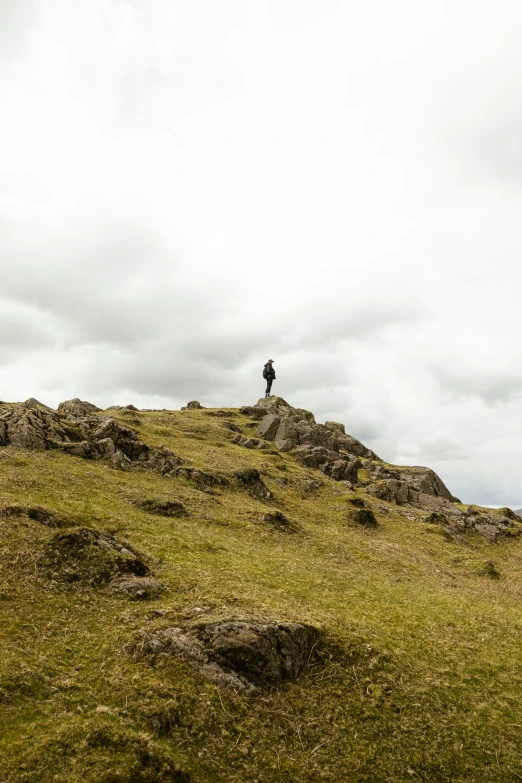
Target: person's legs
{"x": 268, "y": 386}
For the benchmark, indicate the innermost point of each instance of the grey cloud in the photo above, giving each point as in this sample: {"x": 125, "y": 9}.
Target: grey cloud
{"x": 431, "y": 449}
{"x": 24, "y": 329}
{"x": 492, "y": 386}
{"x": 328, "y": 320}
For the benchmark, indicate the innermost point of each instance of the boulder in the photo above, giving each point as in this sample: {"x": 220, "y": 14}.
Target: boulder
{"x": 192, "y": 405}
{"x": 77, "y": 407}
{"x": 334, "y": 426}
{"x": 268, "y": 427}
{"x": 391, "y": 490}
{"x": 247, "y": 443}
{"x": 253, "y": 412}
{"x": 247, "y": 656}
{"x": 426, "y": 481}
{"x": 229, "y": 425}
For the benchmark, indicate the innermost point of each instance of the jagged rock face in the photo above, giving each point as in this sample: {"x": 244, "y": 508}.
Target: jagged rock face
{"x": 81, "y": 435}
{"x": 246, "y": 656}
{"x": 426, "y": 481}
{"x": 406, "y": 485}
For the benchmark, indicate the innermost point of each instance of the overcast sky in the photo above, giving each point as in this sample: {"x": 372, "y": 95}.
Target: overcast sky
{"x": 191, "y": 187}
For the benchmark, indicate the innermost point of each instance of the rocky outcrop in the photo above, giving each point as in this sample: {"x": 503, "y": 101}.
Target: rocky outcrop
{"x": 84, "y": 554}
{"x": 246, "y": 656}
{"x": 76, "y": 430}
{"x": 417, "y": 486}
{"x": 490, "y": 526}
{"x": 290, "y": 428}
{"x": 192, "y": 405}
{"x": 340, "y": 467}
{"x": 426, "y": 481}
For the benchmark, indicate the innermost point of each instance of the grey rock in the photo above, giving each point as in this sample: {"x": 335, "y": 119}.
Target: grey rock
{"x": 253, "y": 412}
{"x": 247, "y": 443}
{"x": 268, "y": 427}
{"x": 77, "y": 407}
{"x": 243, "y": 655}
{"x": 286, "y": 431}
{"x": 335, "y": 426}
{"x": 192, "y": 405}
{"x": 35, "y": 404}
{"x": 230, "y": 426}
{"x": 426, "y": 481}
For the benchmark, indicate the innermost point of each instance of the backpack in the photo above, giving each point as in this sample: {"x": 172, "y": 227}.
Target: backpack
{"x": 265, "y": 374}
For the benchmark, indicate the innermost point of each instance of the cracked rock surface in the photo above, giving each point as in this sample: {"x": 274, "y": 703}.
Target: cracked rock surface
{"x": 245, "y": 656}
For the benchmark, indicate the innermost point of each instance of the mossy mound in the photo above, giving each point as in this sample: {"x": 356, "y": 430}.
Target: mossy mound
{"x": 84, "y": 554}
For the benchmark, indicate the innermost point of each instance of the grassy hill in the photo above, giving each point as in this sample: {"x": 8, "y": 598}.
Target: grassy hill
{"x": 415, "y": 673}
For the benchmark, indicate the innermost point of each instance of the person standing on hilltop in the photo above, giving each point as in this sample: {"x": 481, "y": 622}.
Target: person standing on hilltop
{"x": 269, "y": 375}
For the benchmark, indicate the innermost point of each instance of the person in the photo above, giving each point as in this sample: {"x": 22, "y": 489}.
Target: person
{"x": 269, "y": 374}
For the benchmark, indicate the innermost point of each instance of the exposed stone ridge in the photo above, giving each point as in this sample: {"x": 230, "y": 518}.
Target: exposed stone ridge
{"x": 246, "y": 656}
{"x": 405, "y": 484}
{"x": 75, "y": 429}
{"x": 489, "y": 525}
{"x": 289, "y": 427}
{"x": 328, "y": 448}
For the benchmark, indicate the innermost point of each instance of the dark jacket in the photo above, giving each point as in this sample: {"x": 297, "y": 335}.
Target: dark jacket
{"x": 270, "y": 372}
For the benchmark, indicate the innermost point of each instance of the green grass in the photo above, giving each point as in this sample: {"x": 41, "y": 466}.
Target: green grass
{"x": 418, "y": 675}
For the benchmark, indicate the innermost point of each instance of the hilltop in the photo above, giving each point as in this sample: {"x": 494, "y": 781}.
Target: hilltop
{"x": 240, "y": 595}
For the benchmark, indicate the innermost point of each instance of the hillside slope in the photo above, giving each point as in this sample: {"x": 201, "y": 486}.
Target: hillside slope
{"x": 208, "y": 596}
